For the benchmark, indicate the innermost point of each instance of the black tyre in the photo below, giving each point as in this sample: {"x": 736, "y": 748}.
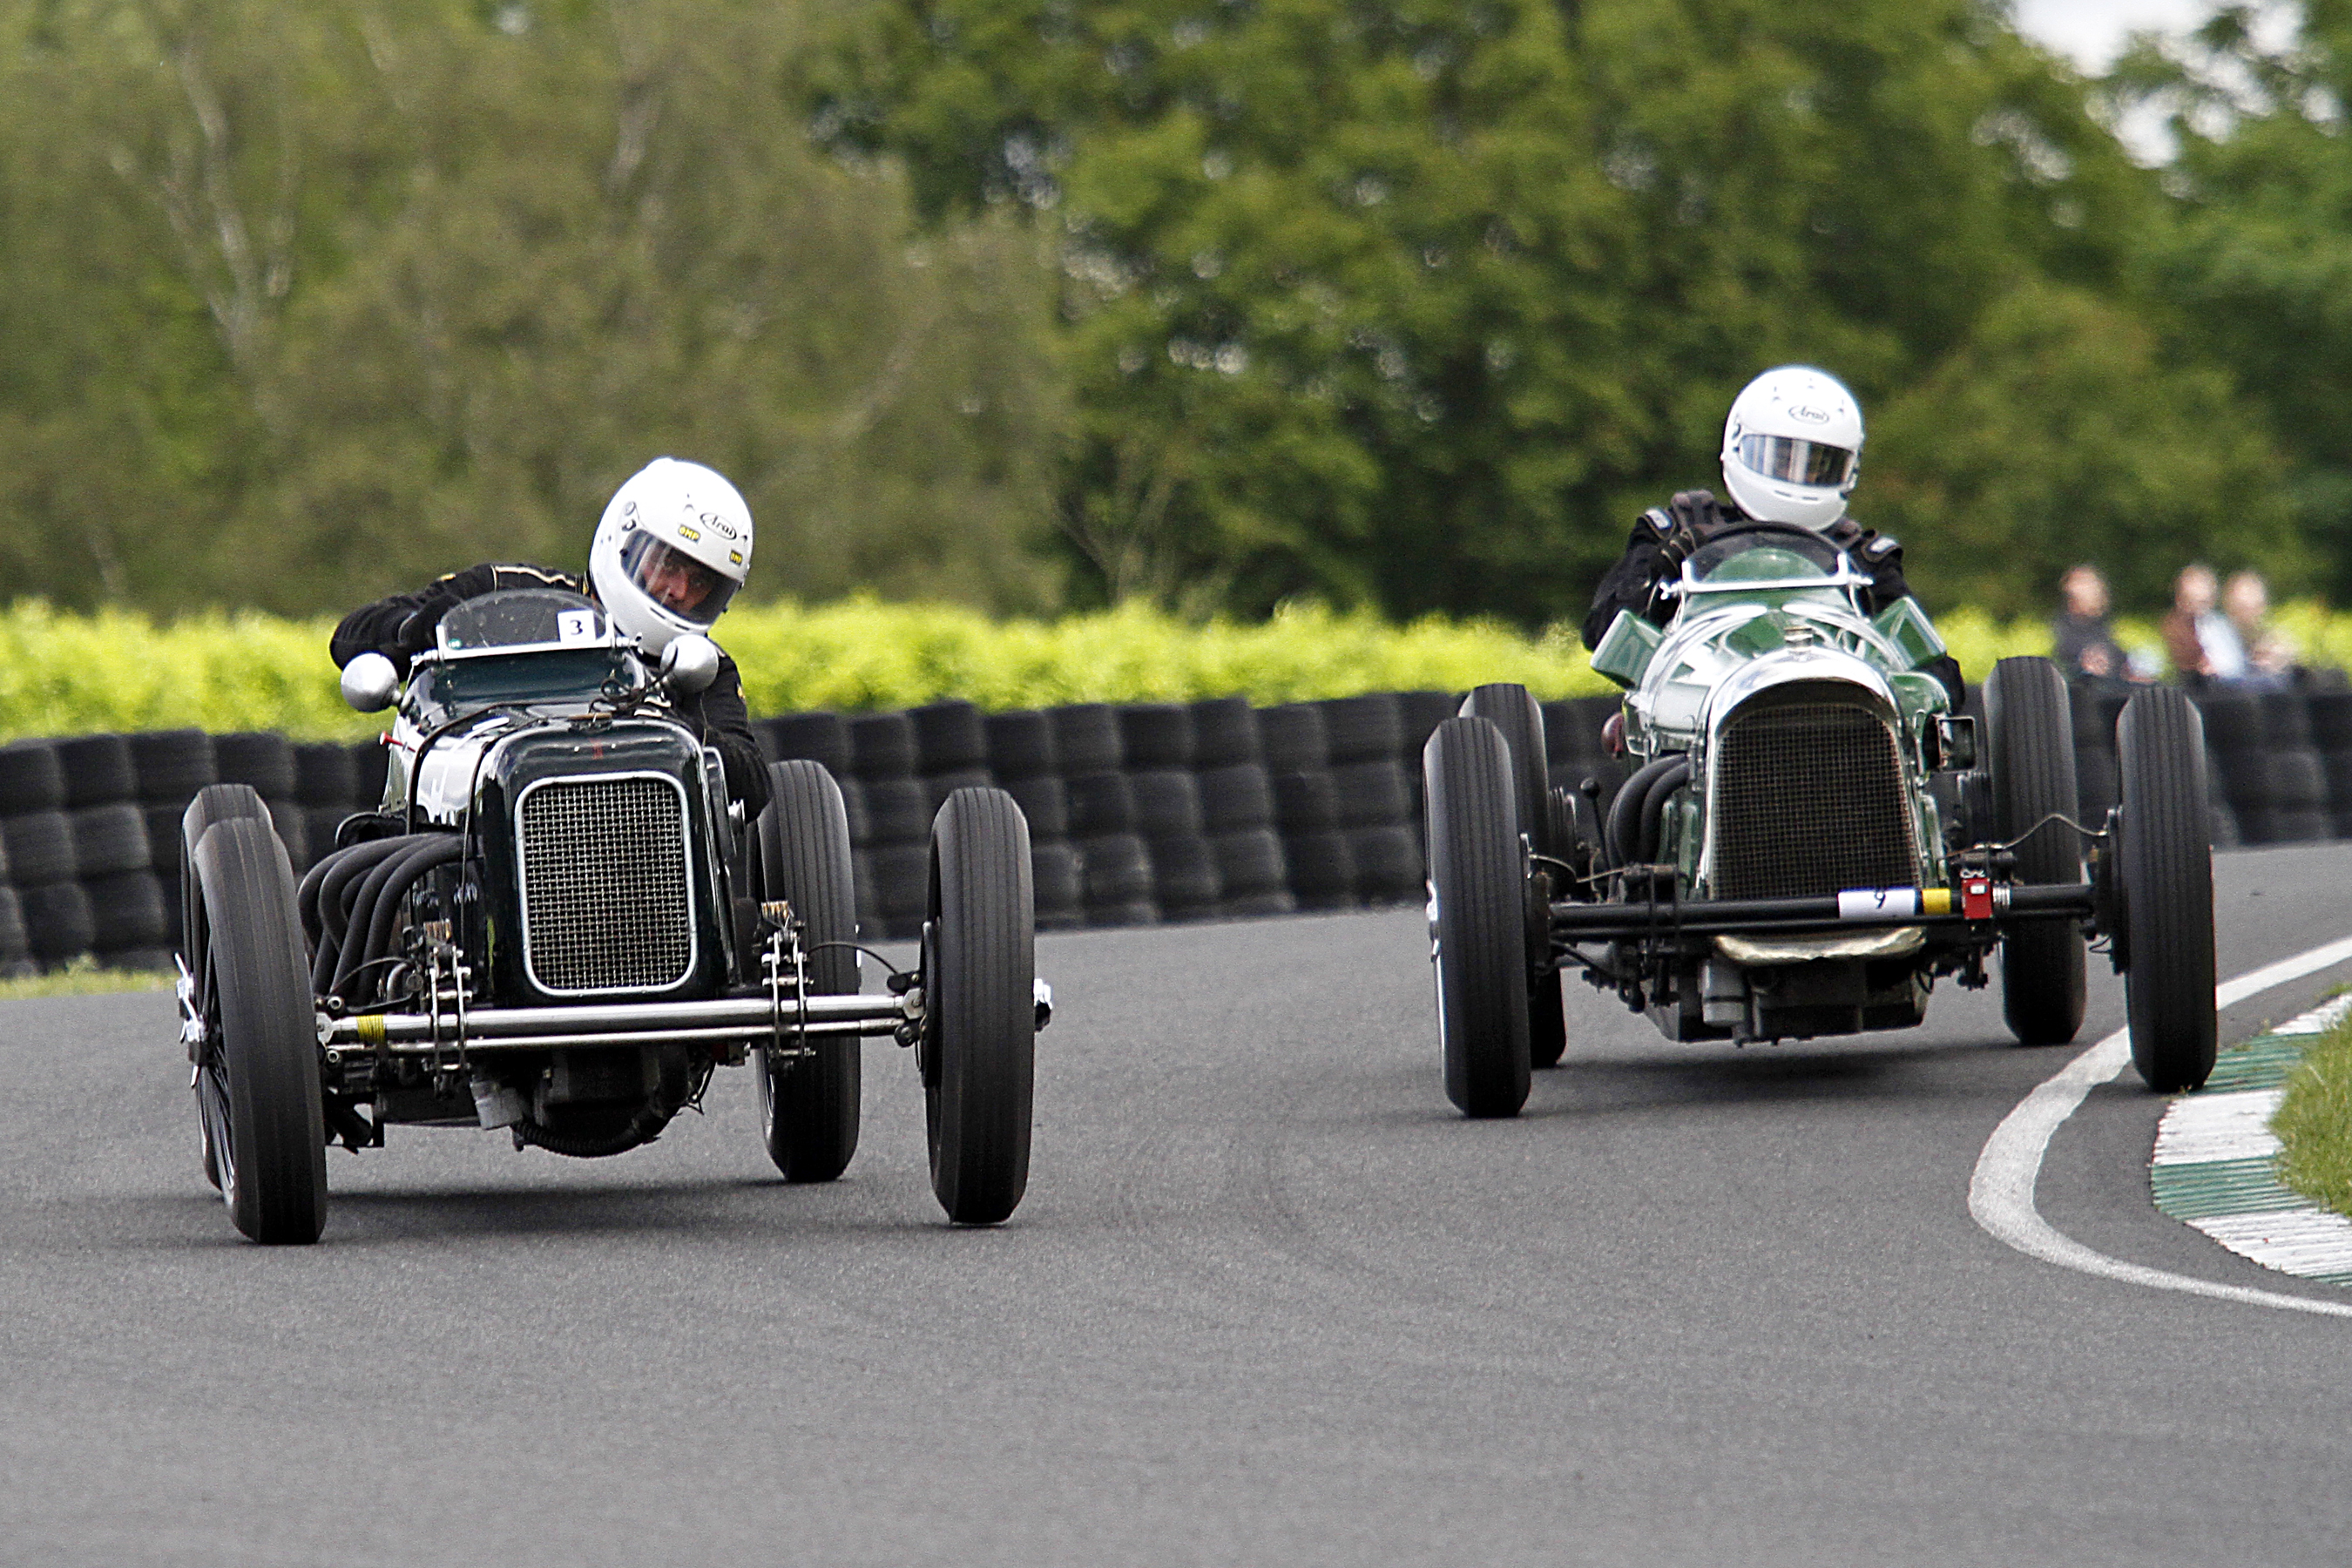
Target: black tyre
{"x": 257, "y": 1085}
{"x": 2031, "y": 743}
{"x": 1520, "y": 718}
{"x": 1478, "y": 918}
{"x": 2167, "y": 870}
{"x": 808, "y": 1107}
{"x": 979, "y": 966}
{"x": 213, "y": 803}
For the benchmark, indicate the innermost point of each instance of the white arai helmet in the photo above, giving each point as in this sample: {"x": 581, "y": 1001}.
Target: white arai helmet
{"x": 1793, "y": 446}
{"x": 674, "y": 545}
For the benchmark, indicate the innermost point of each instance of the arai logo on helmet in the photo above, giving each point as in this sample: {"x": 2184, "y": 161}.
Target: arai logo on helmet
{"x": 1809, "y": 414}
{"x": 718, "y": 525}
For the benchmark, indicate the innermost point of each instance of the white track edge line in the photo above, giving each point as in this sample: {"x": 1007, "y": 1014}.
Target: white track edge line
{"x": 2000, "y": 1191}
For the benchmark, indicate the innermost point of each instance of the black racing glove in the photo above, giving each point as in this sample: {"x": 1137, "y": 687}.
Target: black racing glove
{"x": 417, "y": 633}
{"x": 1691, "y": 516}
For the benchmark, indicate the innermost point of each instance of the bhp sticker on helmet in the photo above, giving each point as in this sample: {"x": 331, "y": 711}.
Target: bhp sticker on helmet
{"x": 684, "y": 532}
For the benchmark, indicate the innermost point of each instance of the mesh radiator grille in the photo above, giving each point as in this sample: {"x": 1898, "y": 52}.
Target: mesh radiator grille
{"x": 1809, "y": 801}
{"x": 607, "y": 904}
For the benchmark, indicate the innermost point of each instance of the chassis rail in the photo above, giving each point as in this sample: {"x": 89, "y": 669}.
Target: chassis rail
{"x": 1861, "y": 909}
{"x": 721, "y": 1020}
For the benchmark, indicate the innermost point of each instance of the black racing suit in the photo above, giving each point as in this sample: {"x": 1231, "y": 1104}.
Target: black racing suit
{"x": 1666, "y": 536}
{"x": 402, "y": 626}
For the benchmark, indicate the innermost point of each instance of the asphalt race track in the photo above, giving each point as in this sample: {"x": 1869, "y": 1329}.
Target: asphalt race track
{"x": 1269, "y": 1302}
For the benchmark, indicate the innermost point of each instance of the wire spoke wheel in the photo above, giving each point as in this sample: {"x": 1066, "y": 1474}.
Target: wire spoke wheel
{"x": 259, "y": 1090}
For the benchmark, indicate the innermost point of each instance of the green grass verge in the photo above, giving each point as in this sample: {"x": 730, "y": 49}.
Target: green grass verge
{"x": 2314, "y": 1122}
{"x": 83, "y": 977}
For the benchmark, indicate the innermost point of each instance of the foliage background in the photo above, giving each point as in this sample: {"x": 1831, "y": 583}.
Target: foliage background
{"x": 1399, "y": 307}
{"x": 64, "y": 673}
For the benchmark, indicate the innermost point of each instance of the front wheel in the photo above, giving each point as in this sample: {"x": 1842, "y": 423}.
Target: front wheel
{"x": 980, "y": 1037}
{"x": 257, "y": 1079}
{"x": 2032, "y": 744}
{"x": 1477, "y": 917}
{"x": 2167, "y": 870}
{"x": 808, "y": 1105}
{"x": 1515, "y": 711}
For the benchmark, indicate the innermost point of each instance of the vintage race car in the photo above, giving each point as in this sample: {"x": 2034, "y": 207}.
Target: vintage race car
{"x": 559, "y": 926}
{"x": 1811, "y": 839}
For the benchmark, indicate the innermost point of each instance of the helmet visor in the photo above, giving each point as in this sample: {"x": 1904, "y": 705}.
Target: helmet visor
{"x": 1794, "y": 461}
{"x": 675, "y": 580}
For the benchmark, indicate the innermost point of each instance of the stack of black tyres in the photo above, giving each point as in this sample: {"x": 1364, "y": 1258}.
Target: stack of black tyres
{"x": 1236, "y": 797}
{"x": 894, "y": 813}
{"x": 1115, "y": 871}
{"x": 170, "y": 766}
{"x": 1137, "y": 814}
{"x": 1157, "y": 742}
{"x": 2297, "y": 776}
{"x": 1297, "y": 751}
{"x": 2098, "y": 781}
{"x": 1372, "y": 799}
{"x": 40, "y": 921}
{"x": 2331, "y": 737}
{"x": 2236, "y": 769}
{"x": 112, "y": 865}
{"x": 1022, "y": 757}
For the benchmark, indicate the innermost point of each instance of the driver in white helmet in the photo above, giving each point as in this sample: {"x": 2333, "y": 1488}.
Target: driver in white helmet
{"x": 673, "y": 546}
{"x": 1791, "y": 452}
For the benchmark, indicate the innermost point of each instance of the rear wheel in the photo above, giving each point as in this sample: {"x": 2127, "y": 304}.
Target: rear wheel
{"x": 808, "y": 1105}
{"x": 1515, "y": 713}
{"x": 980, "y": 968}
{"x": 2167, "y": 871}
{"x": 2032, "y": 744}
{"x": 258, "y": 1082}
{"x": 1476, "y": 918}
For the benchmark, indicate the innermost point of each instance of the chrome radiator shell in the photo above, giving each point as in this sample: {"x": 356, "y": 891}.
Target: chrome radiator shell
{"x": 605, "y": 874}
{"x": 1808, "y": 794}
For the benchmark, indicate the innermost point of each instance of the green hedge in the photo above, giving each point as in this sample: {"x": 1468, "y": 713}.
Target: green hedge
{"x": 70, "y": 674}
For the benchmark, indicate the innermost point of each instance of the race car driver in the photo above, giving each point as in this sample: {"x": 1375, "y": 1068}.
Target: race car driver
{"x": 673, "y": 546}
{"x": 1792, "y": 451}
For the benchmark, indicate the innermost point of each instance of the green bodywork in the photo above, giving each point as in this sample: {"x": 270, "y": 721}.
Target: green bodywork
{"x": 1795, "y": 614}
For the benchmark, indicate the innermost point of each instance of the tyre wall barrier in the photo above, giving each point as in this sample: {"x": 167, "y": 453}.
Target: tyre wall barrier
{"x": 1138, "y": 814}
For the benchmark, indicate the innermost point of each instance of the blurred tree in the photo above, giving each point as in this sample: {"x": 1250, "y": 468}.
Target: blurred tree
{"x": 2258, "y": 257}
{"x": 322, "y": 301}
{"x": 2056, "y": 434}
{"x": 1417, "y": 303}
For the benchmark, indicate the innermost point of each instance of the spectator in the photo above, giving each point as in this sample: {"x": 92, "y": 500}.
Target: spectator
{"x": 2198, "y": 639}
{"x": 2087, "y": 646}
{"x": 2270, "y": 657}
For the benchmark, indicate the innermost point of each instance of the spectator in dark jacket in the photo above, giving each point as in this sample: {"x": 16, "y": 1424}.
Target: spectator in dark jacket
{"x": 2085, "y": 643}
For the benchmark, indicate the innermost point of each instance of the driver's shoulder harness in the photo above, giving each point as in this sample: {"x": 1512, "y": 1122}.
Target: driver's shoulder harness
{"x": 1665, "y": 536}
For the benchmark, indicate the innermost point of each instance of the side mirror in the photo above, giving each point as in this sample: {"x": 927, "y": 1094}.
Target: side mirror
{"x": 370, "y": 682}
{"x": 688, "y": 665}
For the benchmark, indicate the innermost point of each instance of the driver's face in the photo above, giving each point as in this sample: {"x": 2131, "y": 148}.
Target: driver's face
{"x": 681, "y": 582}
